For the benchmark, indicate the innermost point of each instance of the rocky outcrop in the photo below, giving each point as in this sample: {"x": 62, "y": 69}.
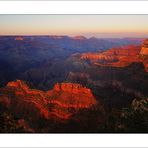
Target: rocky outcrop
{"x": 113, "y": 54}
{"x": 97, "y": 56}
{"x": 68, "y": 98}
{"x": 144, "y": 48}
{"x": 62, "y": 101}
{"x": 120, "y": 57}
{"x": 72, "y": 95}
{"x": 130, "y": 50}
{"x": 115, "y": 57}
{"x": 71, "y": 87}
{"x": 141, "y": 105}
{"x": 144, "y": 54}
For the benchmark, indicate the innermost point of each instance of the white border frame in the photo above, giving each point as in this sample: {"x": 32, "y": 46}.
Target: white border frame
{"x": 73, "y": 7}
{"x": 73, "y": 140}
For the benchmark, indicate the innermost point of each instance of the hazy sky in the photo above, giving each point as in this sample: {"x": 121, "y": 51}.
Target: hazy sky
{"x": 87, "y": 25}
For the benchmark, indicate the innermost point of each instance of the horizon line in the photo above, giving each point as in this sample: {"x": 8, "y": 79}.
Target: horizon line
{"x": 27, "y": 35}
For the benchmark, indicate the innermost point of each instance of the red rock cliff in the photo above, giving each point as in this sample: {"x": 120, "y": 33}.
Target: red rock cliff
{"x": 120, "y": 57}
{"x": 144, "y": 48}
{"x": 32, "y": 104}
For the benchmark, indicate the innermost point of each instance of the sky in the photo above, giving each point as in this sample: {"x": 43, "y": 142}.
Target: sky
{"x": 101, "y": 26}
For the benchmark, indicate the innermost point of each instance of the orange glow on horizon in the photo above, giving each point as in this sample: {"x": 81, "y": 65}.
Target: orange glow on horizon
{"x": 73, "y": 25}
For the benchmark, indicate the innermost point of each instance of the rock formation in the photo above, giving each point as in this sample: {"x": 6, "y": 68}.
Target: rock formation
{"x": 62, "y": 101}
{"x": 113, "y": 54}
{"x": 141, "y": 105}
{"x": 144, "y": 48}
{"x": 120, "y": 57}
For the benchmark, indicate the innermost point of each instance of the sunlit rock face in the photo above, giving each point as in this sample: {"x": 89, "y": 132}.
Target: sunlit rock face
{"x": 97, "y": 56}
{"x": 72, "y": 95}
{"x": 61, "y": 102}
{"x": 68, "y": 98}
{"x": 114, "y": 53}
{"x": 144, "y": 54}
{"x": 144, "y": 48}
{"x": 120, "y": 57}
{"x": 117, "y": 57}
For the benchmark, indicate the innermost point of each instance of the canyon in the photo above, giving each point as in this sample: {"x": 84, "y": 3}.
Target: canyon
{"x": 71, "y": 84}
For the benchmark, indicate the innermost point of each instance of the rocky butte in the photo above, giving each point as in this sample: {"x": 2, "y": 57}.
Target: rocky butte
{"x": 144, "y": 54}
{"x": 64, "y": 100}
{"x": 144, "y": 48}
